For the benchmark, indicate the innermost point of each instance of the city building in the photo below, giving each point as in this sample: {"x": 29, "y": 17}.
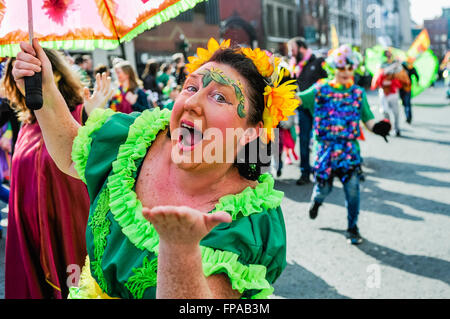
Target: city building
{"x": 242, "y": 22}
{"x": 438, "y": 29}
{"x": 344, "y": 15}
{"x": 281, "y": 22}
{"x": 190, "y": 30}
{"x": 386, "y": 22}
{"x": 313, "y": 23}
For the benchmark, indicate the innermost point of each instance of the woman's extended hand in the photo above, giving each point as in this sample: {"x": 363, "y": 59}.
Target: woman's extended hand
{"x": 29, "y": 60}
{"x": 131, "y": 97}
{"x": 183, "y": 226}
{"x": 102, "y": 93}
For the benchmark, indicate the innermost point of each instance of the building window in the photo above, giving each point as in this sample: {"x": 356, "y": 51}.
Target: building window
{"x": 270, "y": 20}
{"x": 212, "y": 12}
{"x": 281, "y": 22}
{"x": 291, "y": 23}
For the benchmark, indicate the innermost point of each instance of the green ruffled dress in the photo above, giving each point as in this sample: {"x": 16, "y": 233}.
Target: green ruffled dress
{"x": 123, "y": 246}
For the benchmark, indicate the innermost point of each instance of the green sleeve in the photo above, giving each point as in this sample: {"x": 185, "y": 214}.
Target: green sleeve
{"x": 254, "y": 249}
{"x": 308, "y": 98}
{"x": 97, "y": 145}
{"x": 366, "y": 113}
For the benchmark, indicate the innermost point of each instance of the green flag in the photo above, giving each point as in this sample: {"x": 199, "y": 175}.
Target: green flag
{"x": 427, "y": 65}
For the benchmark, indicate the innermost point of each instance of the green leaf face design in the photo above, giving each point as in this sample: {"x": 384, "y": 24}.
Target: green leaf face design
{"x": 241, "y": 111}
{"x": 218, "y": 76}
{"x": 207, "y": 79}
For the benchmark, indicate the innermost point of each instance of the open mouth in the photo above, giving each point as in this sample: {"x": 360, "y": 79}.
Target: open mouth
{"x": 189, "y": 137}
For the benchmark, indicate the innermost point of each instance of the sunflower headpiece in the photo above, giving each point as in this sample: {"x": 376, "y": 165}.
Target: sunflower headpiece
{"x": 279, "y": 99}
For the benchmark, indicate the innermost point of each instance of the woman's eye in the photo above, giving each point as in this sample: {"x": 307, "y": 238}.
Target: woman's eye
{"x": 219, "y": 98}
{"x": 191, "y": 88}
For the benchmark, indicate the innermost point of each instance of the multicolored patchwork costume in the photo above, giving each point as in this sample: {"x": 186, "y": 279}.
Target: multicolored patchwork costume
{"x": 336, "y": 116}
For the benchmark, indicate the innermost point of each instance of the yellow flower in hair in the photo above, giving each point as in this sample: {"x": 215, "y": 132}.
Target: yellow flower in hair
{"x": 265, "y": 64}
{"x": 281, "y": 102}
{"x": 203, "y": 55}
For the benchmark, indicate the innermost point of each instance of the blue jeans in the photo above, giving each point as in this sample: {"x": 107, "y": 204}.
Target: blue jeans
{"x": 351, "y": 190}
{"x": 406, "y": 100}
{"x": 4, "y": 194}
{"x": 305, "y": 122}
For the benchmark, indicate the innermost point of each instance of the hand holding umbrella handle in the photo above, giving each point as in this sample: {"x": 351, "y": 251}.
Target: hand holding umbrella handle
{"x": 33, "y": 84}
{"x": 33, "y": 91}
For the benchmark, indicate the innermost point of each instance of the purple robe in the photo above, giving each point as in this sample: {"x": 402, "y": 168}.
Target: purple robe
{"x": 48, "y": 212}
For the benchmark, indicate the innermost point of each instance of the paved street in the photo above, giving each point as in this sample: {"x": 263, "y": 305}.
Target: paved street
{"x": 405, "y": 219}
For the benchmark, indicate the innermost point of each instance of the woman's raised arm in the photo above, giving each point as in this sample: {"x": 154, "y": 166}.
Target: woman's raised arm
{"x": 57, "y": 124}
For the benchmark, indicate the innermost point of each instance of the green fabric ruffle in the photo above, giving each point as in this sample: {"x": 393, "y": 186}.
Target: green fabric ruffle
{"x": 165, "y": 15}
{"x": 242, "y": 278}
{"x": 252, "y": 200}
{"x": 124, "y": 204}
{"x": 82, "y": 143}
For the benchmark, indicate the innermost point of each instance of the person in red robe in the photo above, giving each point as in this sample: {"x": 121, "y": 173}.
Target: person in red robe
{"x": 48, "y": 210}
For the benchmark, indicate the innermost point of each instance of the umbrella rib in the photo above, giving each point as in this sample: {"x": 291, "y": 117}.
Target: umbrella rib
{"x": 112, "y": 20}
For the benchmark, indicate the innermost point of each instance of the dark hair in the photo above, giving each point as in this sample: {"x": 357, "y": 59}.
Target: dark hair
{"x": 249, "y": 164}
{"x": 151, "y": 68}
{"x": 101, "y": 68}
{"x": 165, "y": 67}
{"x": 301, "y": 42}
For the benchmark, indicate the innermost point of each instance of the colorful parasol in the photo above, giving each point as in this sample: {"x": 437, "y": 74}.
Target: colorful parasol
{"x": 83, "y": 24}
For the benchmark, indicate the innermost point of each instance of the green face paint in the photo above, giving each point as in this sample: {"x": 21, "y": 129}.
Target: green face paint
{"x": 218, "y": 76}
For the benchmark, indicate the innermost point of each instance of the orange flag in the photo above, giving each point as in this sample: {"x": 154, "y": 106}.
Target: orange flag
{"x": 420, "y": 44}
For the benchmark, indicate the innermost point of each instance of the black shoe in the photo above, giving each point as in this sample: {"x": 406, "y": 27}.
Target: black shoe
{"x": 398, "y": 134}
{"x": 303, "y": 180}
{"x": 314, "y": 210}
{"x": 279, "y": 172}
{"x": 353, "y": 236}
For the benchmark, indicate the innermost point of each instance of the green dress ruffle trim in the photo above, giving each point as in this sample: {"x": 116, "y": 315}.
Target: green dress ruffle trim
{"x": 124, "y": 204}
{"x": 242, "y": 278}
{"x": 82, "y": 143}
{"x": 252, "y": 200}
{"x": 127, "y": 209}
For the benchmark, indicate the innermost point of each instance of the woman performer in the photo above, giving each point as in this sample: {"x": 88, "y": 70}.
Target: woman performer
{"x": 178, "y": 207}
{"x": 337, "y": 107}
{"x": 129, "y": 96}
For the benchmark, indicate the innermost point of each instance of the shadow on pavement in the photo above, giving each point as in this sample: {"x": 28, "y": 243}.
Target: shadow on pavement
{"x": 429, "y": 267}
{"x": 293, "y": 191}
{"x": 405, "y": 172}
{"x": 368, "y": 202}
{"x": 297, "y": 282}
{"x": 427, "y": 140}
{"x": 376, "y": 199}
{"x": 430, "y": 125}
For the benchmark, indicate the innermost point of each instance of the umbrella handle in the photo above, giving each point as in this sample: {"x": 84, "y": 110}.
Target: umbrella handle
{"x": 33, "y": 91}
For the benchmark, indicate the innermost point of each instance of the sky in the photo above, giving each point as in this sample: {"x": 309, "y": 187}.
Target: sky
{"x": 427, "y": 9}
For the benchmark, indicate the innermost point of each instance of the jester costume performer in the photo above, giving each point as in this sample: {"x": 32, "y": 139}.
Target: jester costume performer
{"x": 123, "y": 246}
{"x": 337, "y": 110}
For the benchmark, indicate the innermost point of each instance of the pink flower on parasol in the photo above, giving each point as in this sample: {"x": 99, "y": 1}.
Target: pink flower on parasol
{"x": 56, "y": 10}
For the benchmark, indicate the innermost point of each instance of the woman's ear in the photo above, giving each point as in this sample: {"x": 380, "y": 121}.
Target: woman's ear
{"x": 251, "y": 134}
